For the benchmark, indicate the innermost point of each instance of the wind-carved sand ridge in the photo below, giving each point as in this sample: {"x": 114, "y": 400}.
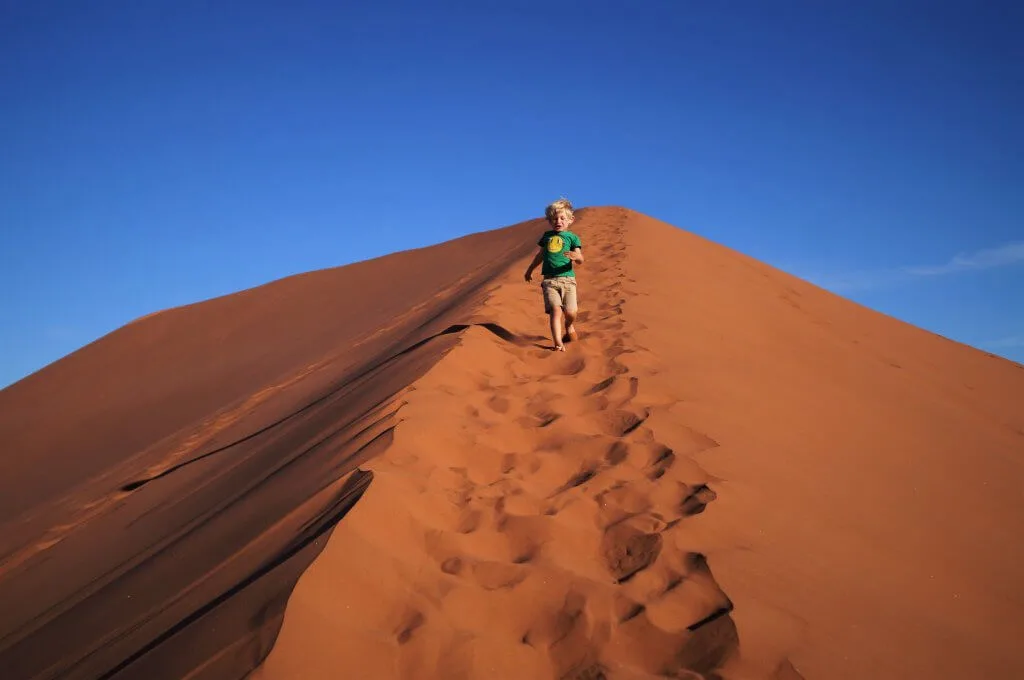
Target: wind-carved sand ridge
{"x": 542, "y": 531}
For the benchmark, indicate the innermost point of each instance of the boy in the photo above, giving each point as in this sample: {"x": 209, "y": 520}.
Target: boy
{"x": 560, "y": 250}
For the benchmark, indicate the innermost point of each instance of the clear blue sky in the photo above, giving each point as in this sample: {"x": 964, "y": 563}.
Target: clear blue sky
{"x": 163, "y": 152}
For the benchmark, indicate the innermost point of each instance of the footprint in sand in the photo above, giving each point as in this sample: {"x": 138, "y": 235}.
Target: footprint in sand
{"x": 601, "y": 386}
{"x": 614, "y": 390}
{"x": 508, "y": 463}
{"x": 675, "y": 653}
{"x": 523, "y": 546}
{"x": 662, "y": 459}
{"x": 621, "y": 502}
{"x": 616, "y": 367}
{"x": 611, "y": 305}
{"x": 621, "y": 422}
{"x": 497, "y": 575}
{"x": 617, "y": 348}
{"x": 611, "y": 324}
{"x": 617, "y": 453}
{"x": 469, "y": 521}
{"x": 697, "y": 500}
{"x": 626, "y": 608}
{"x": 539, "y": 411}
{"x": 573, "y": 366}
{"x": 410, "y": 623}
{"x": 539, "y": 418}
{"x": 498, "y": 404}
{"x": 580, "y": 478}
{"x": 627, "y": 551}
{"x": 596, "y": 672}
{"x": 566, "y": 636}
{"x": 452, "y": 565}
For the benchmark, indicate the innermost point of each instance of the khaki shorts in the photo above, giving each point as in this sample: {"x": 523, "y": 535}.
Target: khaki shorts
{"x": 559, "y": 291}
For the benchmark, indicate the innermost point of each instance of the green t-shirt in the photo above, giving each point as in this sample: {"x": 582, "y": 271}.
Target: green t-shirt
{"x": 555, "y": 245}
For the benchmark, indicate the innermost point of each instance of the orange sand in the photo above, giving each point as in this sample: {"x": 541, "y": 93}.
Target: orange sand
{"x": 732, "y": 474}
{"x": 540, "y": 515}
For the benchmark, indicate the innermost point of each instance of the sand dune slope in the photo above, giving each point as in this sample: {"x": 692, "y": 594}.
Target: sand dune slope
{"x": 162, "y": 489}
{"x": 733, "y": 474}
{"x": 381, "y": 471}
{"x": 870, "y": 506}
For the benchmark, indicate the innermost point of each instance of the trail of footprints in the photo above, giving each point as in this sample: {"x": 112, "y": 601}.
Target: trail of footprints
{"x": 650, "y": 607}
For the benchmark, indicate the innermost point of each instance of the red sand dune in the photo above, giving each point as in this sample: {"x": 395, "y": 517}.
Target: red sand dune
{"x": 733, "y": 474}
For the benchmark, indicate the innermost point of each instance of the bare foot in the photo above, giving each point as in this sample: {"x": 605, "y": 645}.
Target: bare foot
{"x": 559, "y": 348}
{"x": 571, "y": 334}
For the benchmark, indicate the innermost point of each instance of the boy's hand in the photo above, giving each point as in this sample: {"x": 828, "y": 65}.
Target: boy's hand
{"x": 572, "y": 255}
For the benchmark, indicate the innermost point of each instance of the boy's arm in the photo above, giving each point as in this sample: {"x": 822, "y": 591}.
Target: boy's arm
{"x": 576, "y": 251}
{"x": 537, "y": 259}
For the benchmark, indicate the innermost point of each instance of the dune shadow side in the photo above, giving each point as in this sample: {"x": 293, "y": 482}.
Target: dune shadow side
{"x": 497, "y": 329}
{"x": 212, "y": 563}
{"x": 306, "y": 541}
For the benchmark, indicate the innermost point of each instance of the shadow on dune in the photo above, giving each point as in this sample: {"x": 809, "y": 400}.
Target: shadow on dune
{"x": 326, "y": 519}
{"x": 203, "y": 560}
{"x": 204, "y": 554}
{"x": 496, "y": 329}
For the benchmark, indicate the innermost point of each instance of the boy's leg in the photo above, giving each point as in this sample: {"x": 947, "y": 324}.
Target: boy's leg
{"x": 570, "y": 329}
{"x": 571, "y": 308}
{"x": 553, "y": 308}
{"x": 556, "y": 327}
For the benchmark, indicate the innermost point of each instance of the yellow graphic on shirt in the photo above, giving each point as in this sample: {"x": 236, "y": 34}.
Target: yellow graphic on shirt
{"x": 555, "y": 244}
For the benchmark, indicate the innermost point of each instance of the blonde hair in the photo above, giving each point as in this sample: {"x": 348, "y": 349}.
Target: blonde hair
{"x": 561, "y": 205}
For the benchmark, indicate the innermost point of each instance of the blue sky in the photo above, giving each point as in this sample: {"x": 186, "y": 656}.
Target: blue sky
{"x": 158, "y": 153}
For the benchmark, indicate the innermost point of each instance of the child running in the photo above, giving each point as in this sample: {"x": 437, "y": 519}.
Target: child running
{"x": 560, "y": 250}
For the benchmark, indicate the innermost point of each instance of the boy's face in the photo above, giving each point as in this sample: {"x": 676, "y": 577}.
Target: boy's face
{"x": 561, "y": 221}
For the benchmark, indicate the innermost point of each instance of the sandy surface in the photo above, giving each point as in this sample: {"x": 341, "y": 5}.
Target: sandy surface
{"x": 870, "y": 499}
{"x": 732, "y": 474}
{"x": 162, "y": 488}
